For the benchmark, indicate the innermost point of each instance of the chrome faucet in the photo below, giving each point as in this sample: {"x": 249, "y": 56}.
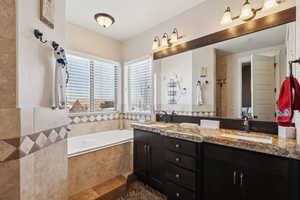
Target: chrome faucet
{"x": 246, "y": 123}
{"x": 164, "y": 116}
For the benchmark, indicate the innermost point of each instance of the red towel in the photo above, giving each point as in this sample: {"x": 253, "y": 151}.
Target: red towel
{"x": 289, "y": 100}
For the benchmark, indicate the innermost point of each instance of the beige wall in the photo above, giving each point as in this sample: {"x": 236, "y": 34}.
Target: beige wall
{"x": 42, "y": 172}
{"x": 82, "y": 40}
{"x": 196, "y": 22}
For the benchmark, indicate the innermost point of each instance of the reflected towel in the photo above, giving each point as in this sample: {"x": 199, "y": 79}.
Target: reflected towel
{"x": 199, "y": 100}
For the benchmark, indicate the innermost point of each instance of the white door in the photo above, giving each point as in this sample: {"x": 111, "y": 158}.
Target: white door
{"x": 263, "y": 86}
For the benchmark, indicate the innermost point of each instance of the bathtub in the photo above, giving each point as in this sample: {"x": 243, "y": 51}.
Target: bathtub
{"x": 96, "y": 141}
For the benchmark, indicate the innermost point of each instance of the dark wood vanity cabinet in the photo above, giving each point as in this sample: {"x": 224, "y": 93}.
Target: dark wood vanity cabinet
{"x": 185, "y": 170}
{"x": 149, "y": 158}
{"x": 229, "y": 173}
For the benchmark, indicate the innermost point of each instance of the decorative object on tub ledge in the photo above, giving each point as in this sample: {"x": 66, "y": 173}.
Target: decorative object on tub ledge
{"x": 247, "y": 12}
{"x": 47, "y": 12}
{"x": 16, "y": 148}
{"x": 166, "y": 41}
{"x": 58, "y": 98}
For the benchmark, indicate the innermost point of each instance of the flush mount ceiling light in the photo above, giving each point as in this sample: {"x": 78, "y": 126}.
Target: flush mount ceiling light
{"x": 104, "y": 20}
{"x": 166, "y": 41}
{"x": 247, "y": 12}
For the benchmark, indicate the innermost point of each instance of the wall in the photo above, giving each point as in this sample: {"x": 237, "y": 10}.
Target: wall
{"x": 89, "y": 42}
{"x": 34, "y": 149}
{"x": 196, "y": 22}
{"x": 83, "y": 41}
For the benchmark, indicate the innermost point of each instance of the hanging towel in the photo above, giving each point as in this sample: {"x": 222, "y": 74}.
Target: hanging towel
{"x": 199, "y": 99}
{"x": 288, "y": 102}
{"x": 59, "y": 98}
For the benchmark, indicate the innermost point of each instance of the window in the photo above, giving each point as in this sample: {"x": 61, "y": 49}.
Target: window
{"x": 93, "y": 85}
{"x": 139, "y": 75}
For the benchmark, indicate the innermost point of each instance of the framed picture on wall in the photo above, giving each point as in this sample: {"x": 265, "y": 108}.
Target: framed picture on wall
{"x": 47, "y": 12}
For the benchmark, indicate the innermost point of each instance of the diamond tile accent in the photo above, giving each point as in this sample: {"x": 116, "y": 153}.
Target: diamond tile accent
{"x": 26, "y": 145}
{"x": 53, "y": 136}
{"x": 42, "y": 140}
{"x": 76, "y": 120}
{"x": 62, "y": 133}
{"x": 6, "y": 150}
{"x": 92, "y": 118}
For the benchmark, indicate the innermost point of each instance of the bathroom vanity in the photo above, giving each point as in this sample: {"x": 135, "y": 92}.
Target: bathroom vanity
{"x": 189, "y": 164}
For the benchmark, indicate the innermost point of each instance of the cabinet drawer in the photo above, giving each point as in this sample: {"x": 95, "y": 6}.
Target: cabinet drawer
{"x": 175, "y": 192}
{"x": 181, "y": 176}
{"x": 181, "y": 160}
{"x": 181, "y": 146}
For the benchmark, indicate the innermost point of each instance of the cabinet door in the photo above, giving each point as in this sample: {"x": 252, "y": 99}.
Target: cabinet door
{"x": 156, "y": 161}
{"x": 265, "y": 178}
{"x": 140, "y": 155}
{"x": 220, "y": 180}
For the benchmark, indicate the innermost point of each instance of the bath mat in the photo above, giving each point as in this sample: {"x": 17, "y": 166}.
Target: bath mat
{"x": 139, "y": 191}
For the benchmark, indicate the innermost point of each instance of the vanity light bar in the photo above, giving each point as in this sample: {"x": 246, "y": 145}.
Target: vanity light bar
{"x": 247, "y": 12}
{"x": 166, "y": 41}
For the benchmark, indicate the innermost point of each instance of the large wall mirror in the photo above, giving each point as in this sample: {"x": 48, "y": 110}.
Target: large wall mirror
{"x": 230, "y": 79}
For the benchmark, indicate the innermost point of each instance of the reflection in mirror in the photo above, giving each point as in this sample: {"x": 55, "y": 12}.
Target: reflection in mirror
{"x": 231, "y": 79}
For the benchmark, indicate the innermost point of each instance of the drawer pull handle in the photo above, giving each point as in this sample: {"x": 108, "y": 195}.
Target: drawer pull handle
{"x": 177, "y": 194}
{"x": 177, "y": 176}
{"x": 177, "y": 159}
{"x": 177, "y": 146}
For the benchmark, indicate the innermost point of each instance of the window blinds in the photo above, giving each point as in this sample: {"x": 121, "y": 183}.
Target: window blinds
{"x": 93, "y": 85}
{"x": 78, "y": 87}
{"x": 140, "y": 86}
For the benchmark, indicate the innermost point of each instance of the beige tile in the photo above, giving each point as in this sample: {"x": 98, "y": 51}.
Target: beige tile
{"x": 27, "y": 182}
{"x": 9, "y": 181}
{"x": 93, "y": 127}
{"x": 46, "y": 118}
{"x": 9, "y": 123}
{"x": 8, "y": 19}
{"x": 51, "y": 172}
{"x": 94, "y": 168}
{"x": 6, "y": 150}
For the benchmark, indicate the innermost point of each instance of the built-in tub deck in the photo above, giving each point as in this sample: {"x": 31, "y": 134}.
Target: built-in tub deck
{"x": 93, "y": 142}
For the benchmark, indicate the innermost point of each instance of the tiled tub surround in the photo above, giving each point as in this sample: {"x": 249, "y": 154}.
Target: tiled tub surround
{"x": 280, "y": 147}
{"x": 16, "y": 148}
{"x": 91, "y": 169}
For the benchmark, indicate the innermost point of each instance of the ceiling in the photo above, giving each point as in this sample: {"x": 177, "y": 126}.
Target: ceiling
{"x": 132, "y": 16}
{"x": 252, "y": 41}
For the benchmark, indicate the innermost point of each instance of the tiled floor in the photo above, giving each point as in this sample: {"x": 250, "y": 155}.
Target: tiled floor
{"x": 138, "y": 191}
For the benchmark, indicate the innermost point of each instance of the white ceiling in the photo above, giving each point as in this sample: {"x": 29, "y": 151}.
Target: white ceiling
{"x": 132, "y": 16}
{"x": 267, "y": 38}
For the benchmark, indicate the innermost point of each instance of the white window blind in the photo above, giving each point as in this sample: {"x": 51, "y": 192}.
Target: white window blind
{"x": 105, "y": 85}
{"x": 78, "y": 88}
{"x": 140, "y": 86}
{"x": 92, "y": 86}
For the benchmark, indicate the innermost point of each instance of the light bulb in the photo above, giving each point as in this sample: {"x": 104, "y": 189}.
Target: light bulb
{"x": 227, "y": 17}
{"x": 155, "y": 44}
{"x": 165, "y": 40}
{"x": 269, "y": 4}
{"x": 246, "y": 12}
{"x": 174, "y": 36}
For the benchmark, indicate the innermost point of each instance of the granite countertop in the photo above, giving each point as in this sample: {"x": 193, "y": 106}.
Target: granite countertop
{"x": 287, "y": 148}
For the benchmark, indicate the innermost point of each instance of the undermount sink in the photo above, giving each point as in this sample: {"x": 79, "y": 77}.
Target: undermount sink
{"x": 261, "y": 139}
{"x": 159, "y": 125}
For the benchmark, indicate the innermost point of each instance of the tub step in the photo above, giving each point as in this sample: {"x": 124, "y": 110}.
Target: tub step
{"x": 109, "y": 190}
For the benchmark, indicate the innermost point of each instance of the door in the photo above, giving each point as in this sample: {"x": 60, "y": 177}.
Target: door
{"x": 220, "y": 180}
{"x": 156, "y": 161}
{"x": 263, "y": 87}
{"x": 268, "y": 182}
{"x": 140, "y": 154}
